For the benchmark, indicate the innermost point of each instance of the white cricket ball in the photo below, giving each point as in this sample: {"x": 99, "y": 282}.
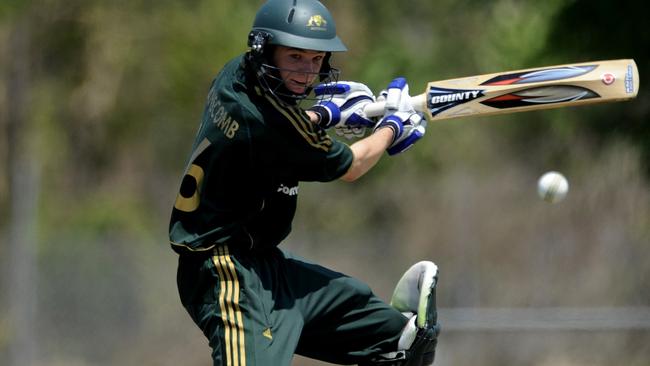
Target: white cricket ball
{"x": 552, "y": 187}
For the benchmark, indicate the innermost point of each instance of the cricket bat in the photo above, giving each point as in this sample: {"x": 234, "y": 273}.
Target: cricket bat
{"x": 525, "y": 90}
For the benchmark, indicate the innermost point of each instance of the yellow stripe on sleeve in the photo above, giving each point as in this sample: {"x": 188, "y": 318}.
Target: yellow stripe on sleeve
{"x": 304, "y": 127}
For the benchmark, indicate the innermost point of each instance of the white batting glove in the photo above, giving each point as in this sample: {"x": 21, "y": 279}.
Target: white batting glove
{"x": 397, "y": 97}
{"x": 341, "y": 106}
{"x": 407, "y": 124}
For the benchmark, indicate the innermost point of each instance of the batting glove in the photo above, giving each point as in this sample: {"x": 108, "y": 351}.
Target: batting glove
{"x": 341, "y": 106}
{"x": 396, "y": 96}
{"x": 408, "y": 125}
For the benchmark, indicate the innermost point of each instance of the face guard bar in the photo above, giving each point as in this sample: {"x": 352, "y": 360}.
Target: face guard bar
{"x": 270, "y": 80}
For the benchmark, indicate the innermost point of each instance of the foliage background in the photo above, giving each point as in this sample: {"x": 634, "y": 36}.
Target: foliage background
{"x": 99, "y": 102}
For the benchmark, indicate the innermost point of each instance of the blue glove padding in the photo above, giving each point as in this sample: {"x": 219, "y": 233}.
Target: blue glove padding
{"x": 407, "y": 128}
{"x": 342, "y": 105}
{"x": 408, "y": 125}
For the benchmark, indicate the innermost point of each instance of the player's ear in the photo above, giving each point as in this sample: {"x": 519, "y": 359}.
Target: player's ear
{"x": 324, "y": 73}
{"x": 268, "y": 55}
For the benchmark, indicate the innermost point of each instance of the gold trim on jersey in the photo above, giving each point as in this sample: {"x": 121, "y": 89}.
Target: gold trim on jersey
{"x": 185, "y": 246}
{"x": 229, "y": 305}
{"x": 302, "y": 125}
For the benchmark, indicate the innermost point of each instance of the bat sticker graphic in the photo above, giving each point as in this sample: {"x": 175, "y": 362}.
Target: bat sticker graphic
{"x": 540, "y": 95}
{"x": 539, "y": 76}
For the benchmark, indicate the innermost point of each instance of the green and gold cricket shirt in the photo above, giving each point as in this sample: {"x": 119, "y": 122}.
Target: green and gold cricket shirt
{"x": 240, "y": 184}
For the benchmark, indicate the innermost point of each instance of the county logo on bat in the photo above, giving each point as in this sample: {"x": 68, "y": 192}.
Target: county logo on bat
{"x": 441, "y": 99}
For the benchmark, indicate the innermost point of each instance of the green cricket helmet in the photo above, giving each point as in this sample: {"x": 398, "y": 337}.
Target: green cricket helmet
{"x": 302, "y": 24}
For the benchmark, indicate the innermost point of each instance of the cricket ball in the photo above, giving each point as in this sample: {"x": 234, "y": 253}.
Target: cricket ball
{"x": 552, "y": 187}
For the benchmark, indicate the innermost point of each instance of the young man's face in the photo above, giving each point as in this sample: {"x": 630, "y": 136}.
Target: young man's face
{"x": 298, "y": 68}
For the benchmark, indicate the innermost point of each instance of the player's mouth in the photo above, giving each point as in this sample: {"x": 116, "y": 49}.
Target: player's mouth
{"x": 297, "y": 86}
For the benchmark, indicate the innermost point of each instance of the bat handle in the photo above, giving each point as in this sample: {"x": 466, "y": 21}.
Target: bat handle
{"x": 378, "y": 109}
{"x": 375, "y": 109}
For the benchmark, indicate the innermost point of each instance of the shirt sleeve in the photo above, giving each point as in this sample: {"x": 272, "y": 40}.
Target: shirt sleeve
{"x": 322, "y": 159}
{"x": 326, "y": 167}
{"x": 318, "y": 157}
{"x": 297, "y": 148}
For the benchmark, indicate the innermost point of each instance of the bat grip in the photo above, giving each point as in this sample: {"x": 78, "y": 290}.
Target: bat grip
{"x": 375, "y": 109}
{"x": 378, "y": 109}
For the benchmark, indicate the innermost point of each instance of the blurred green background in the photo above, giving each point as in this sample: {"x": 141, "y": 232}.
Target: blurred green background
{"x": 99, "y": 103}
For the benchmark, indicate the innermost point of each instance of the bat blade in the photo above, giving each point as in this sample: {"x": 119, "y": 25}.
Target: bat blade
{"x": 526, "y": 90}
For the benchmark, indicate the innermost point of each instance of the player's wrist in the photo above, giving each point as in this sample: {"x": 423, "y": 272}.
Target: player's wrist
{"x": 328, "y": 114}
{"x": 386, "y": 134}
{"x": 314, "y": 116}
{"x": 393, "y": 124}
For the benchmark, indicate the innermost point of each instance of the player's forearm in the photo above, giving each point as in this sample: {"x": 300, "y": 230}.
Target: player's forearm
{"x": 367, "y": 153}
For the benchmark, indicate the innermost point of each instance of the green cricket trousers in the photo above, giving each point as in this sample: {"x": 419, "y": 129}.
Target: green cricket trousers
{"x": 259, "y": 308}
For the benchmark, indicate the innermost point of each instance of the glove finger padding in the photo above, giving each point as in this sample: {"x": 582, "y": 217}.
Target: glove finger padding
{"x": 350, "y": 132}
{"x": 342, "y": 104}
{"x": 397, "y": 96}
{"x": 407, "y": 124}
